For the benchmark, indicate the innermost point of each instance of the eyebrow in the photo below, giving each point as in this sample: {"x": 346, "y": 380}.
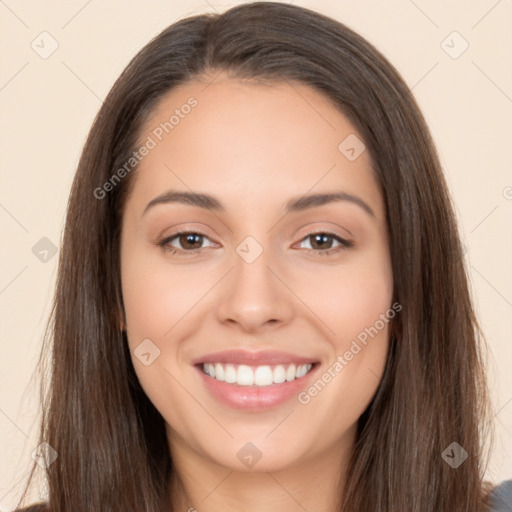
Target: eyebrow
{"x": 296, "y": 204}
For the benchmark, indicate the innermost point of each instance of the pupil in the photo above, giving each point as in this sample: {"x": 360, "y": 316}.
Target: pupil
{"x": 321, "y": 239}
{"x": 189, "y": 239}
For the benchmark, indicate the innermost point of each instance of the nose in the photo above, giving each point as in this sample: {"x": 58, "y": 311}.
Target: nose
{"x": 254, "y": 296}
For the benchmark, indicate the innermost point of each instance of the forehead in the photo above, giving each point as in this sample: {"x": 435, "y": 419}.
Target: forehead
{"x": 251, "y": 141}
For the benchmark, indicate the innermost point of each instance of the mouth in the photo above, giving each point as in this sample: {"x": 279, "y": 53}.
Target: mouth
{"x": 255, "y": 381}
{"x": 261, "y": 376}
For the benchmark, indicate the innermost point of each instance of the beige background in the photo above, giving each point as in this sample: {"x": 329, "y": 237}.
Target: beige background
{"x": 48, "y": 105}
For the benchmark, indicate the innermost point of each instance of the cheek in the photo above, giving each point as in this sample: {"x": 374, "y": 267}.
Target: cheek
{"x": 154, "y": 303}
{"x": 351, "y": 298}
{"x": 155, "y": 295}
{"x": 358, "y": 317}
{"x": 354, "y": 302}
{"x": 162, "y": 303}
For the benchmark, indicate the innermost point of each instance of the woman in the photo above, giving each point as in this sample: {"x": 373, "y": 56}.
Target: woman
{"x": 248, "y": 371}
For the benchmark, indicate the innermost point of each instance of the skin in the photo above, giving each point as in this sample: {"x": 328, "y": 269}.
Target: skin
{"x": 254, "y": 147}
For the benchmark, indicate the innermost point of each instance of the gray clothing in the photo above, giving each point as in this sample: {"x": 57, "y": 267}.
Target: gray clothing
{"x": 501, "y": 497}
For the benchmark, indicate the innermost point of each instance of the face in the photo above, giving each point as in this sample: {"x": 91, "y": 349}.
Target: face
{"x": 286, "y": 297}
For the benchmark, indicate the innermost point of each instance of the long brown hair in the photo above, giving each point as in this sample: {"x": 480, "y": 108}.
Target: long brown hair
{"x": 110, "y": 440}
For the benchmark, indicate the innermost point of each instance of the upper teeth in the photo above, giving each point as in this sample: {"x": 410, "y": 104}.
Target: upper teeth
{"x": 244, "y": 375}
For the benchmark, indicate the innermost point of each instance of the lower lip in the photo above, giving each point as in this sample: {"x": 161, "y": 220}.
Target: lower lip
{"x": 255, "y": 398}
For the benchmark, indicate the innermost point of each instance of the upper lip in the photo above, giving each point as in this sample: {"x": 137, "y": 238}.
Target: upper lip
{"x": 264, "y": 357}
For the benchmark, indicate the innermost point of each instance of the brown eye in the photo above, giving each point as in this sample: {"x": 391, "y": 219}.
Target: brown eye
{"x": 187, "y": 242}
{"x": 322, "y": 243}
{"x": 190, "y": 239}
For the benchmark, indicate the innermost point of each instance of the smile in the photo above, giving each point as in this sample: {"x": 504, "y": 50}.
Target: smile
{"x": 266, "y": 375}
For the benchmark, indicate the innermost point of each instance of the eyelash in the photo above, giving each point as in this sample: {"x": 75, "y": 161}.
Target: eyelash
{"x": 344, "y": 244}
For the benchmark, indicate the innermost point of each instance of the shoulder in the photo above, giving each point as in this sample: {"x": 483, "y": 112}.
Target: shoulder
{"x": 38, "y": 507}
{"x": 500, "y": 498}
